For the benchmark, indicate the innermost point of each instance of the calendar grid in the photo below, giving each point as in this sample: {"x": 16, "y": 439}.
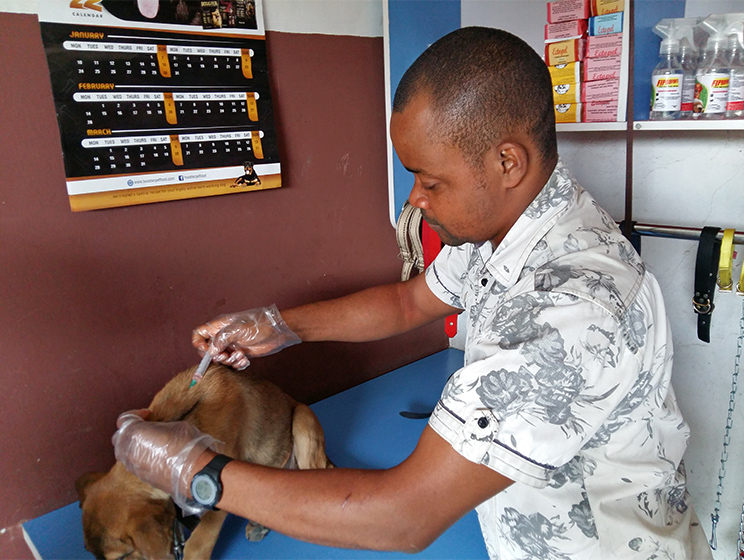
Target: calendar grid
{"x": 137, "y": 101}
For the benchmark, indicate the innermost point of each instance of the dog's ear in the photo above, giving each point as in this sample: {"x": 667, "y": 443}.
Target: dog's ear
{"x": 83, "y": 483}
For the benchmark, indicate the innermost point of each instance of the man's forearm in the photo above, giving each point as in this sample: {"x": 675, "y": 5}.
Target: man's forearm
{"x": 371, "y": 314}
{"x": 403, "y": 508}
{"x": 347, "y": 508}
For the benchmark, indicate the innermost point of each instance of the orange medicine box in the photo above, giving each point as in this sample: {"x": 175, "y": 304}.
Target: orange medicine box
{"x": 566, "y": 10}
{"x": 568, "y": 113}
{"x": 602, "y": 7}
{"x": 569, "y": 73}
{"x": 564, "y": 51}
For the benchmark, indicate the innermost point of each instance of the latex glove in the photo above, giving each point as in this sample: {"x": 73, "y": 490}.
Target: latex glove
{"x": 162, "y": 454}
{"x": 233, "y": 338}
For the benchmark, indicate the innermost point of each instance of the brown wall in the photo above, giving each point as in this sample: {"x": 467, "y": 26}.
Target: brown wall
{"x": 96, "y": 308}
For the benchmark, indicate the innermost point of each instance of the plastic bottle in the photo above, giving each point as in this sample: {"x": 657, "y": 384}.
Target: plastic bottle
{"x": 688, "y": 59}
{"x": 666, "y": 83}
{"x": 735, "y": 103}
{"x": 712, "y": 80}
{"x": 688, "y": 32}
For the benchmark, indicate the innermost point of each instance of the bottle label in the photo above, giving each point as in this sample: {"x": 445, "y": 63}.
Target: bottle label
{"x": 688, "y": 92}
{"x": 711, "y": 93}
{"x": 666, "y": 92}
{"x": 736, "y": 92}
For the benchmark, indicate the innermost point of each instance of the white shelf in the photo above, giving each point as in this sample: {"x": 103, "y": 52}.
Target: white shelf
{"x": 689, "y": 125}
{"x": 590, "y": 127}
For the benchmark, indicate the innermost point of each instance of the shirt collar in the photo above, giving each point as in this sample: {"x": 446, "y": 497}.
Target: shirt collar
{"x": 508, "y": 259}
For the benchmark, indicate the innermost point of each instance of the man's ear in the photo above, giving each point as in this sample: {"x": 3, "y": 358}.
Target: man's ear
{"x": 513, "y": 163}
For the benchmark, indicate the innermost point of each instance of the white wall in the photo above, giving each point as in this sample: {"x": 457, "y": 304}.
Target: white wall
{"x": 331, "y": 17}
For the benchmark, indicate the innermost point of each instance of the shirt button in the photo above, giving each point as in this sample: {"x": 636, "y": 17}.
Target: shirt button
{"x": 484, "y": 281}
{"x": 482, "y": 422}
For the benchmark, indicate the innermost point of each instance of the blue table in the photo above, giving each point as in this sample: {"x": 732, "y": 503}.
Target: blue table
{"x": 363, "y": 429}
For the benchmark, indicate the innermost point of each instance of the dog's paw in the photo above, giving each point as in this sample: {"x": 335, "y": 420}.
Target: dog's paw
{"x": 255, "y": 532}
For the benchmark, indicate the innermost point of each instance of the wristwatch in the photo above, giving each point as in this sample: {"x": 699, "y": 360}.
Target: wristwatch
{"x": 206, "y": 486}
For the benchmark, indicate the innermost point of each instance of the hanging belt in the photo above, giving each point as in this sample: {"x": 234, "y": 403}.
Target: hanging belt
{"x": 726, "y": 263}
{"x": 408, "y": 235}
{"x": 706, "y": 272}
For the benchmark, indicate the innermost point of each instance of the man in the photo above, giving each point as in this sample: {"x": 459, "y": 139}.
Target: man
{"x": 562, "y": 427}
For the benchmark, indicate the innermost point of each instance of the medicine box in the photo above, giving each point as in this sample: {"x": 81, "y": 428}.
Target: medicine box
{"x": 573, "y": 29}
{"x": 599, "y": 111}
{"x": 568, "y": 113}
{"x": 600, "y": 90}
{"x": 569, "y": 73}
{"x": 567, "y": 10}
{"x": 606, "y": 24}
{"x": 600, "y": 46}
{"x": 602, "y": 7}
{"x": 602, "y": 68}
{"x": 564, "y": 51}
{"x": 566, "y": 93}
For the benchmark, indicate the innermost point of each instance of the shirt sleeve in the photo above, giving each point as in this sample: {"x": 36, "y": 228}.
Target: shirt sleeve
{"x": 445, "y": 275}
{"x": 556, "y": 368}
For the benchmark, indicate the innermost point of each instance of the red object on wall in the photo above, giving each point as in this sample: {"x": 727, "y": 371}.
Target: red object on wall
{"x": 432, "y": 245}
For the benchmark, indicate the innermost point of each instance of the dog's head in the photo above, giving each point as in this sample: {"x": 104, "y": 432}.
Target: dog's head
{"x": 124, "y": 517}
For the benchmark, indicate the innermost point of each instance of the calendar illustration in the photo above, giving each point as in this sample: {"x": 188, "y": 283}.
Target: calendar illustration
{"x": 160, "y": 100}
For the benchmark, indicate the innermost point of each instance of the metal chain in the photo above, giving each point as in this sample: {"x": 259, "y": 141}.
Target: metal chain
{"x": 740, "y": 544}
{"x": 714, "y": 517}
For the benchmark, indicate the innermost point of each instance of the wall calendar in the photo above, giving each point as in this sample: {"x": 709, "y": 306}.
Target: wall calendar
{"x": 160, "y": 100}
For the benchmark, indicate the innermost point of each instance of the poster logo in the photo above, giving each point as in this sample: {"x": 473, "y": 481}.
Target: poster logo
{"x": 86, "y": 5}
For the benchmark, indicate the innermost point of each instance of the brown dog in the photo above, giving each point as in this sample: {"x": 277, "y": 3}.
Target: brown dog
{"x": 125, "y": 517}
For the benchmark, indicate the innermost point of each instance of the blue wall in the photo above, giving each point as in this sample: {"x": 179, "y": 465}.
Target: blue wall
{"x": 414, "y": 25}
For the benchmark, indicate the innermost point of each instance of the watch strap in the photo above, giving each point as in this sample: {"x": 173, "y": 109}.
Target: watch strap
{"x": 217, "y": 463}
{"x": 706, "y": 273}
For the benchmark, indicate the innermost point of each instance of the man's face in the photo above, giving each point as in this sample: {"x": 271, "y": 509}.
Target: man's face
{"x": 460, "y": 202}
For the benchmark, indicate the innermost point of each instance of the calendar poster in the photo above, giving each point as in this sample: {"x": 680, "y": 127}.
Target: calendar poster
{"x": 160, "y": 100}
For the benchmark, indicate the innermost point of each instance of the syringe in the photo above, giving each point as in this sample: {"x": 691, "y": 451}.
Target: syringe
{"x": 199, "y": 373}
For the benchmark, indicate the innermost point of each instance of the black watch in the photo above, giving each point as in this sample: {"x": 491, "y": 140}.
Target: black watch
{"x": 206, "y": 486}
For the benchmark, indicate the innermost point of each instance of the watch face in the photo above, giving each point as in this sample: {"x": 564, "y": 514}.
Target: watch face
{"x": 204, "y": 490}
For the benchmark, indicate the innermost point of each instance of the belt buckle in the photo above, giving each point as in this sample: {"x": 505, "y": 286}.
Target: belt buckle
{"x": 703, "y": 307}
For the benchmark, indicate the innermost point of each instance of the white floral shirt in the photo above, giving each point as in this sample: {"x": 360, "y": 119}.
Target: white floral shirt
{"x": 566, "y": 388}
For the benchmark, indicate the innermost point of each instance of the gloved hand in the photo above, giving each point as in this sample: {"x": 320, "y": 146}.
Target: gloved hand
{"x": 233, "y": 338}
{"x": 162, "y": 454}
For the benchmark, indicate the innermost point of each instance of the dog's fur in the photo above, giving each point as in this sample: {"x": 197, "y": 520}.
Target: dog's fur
{"x": 123, "y": 516}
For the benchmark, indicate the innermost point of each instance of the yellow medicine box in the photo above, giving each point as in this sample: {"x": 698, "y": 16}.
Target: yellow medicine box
{"x": 566, "y": 93}
{"x": 569, "y": 73}
{"x": 568, "y": 113}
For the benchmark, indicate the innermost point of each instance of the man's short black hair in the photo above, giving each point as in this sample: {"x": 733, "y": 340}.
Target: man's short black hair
{"x": 485, "y": 83}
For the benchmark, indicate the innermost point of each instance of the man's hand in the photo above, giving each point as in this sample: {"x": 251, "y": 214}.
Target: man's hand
{"x": 163, "y": 454}
{"x": 234, "y": 338}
